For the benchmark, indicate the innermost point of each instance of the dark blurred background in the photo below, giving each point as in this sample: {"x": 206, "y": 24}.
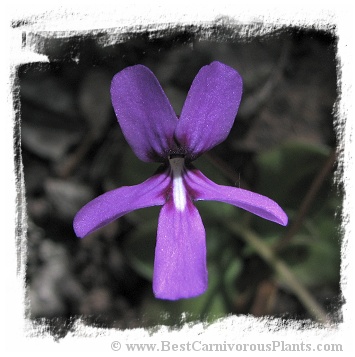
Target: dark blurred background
{"x": 282, "y": 145}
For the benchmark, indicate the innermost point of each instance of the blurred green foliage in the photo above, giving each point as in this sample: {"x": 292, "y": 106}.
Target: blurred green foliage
{"x": 285, "y": 175}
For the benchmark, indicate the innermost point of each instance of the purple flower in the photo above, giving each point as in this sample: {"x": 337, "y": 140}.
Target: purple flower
{"x": 155, "y": 133}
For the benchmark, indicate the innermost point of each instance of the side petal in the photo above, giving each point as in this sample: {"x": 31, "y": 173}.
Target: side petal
{"x": 116, "y": 203}
{"x": 144, "y": 112}
{"x": 201, "y": 188}
{"x": 210, "y": 108}
{"x": 180, "y": 255}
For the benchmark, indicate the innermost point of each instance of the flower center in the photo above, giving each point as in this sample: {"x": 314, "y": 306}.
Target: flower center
{"x": 177, "y": 165}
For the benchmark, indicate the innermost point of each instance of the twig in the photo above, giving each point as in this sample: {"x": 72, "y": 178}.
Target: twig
{"x": 307, "y": 201}
{"x": 64, "y": 169}
{"x": 281, "y": 268}
{"x": 225, "y": 169}
{"x": 255, "y": 101}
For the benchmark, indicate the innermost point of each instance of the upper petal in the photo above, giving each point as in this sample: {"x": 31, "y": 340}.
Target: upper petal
{"x": 180, "y": 268}
{"x": 210, "y": 108}
{"x": 201, "y": 188}
{"x": 116, "y": 203}
{"x": 144, "y": 112}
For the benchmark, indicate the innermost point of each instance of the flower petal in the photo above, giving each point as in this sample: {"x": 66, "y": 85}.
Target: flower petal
{"x": 210, "y": 108}
{"x": 180, "y": 255}
{"x": 144, "y": 112}
{"x": 201, "y": 188}
{"x": 116, "y": 203}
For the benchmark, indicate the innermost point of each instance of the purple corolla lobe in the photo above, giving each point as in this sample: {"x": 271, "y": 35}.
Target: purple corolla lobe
{"x": 155, "y": 133}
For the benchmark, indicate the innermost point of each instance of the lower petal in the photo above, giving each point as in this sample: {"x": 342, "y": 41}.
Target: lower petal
{"x": 116, "y": 203}
{"x": 180, "y": 269}
{"x": 202, "y": 188}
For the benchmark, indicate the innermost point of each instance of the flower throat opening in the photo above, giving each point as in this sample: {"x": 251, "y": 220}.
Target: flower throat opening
{"x": 174, "y": 156}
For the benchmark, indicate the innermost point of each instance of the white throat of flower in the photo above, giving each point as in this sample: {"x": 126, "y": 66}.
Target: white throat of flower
{"x": 179, "y": 192}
